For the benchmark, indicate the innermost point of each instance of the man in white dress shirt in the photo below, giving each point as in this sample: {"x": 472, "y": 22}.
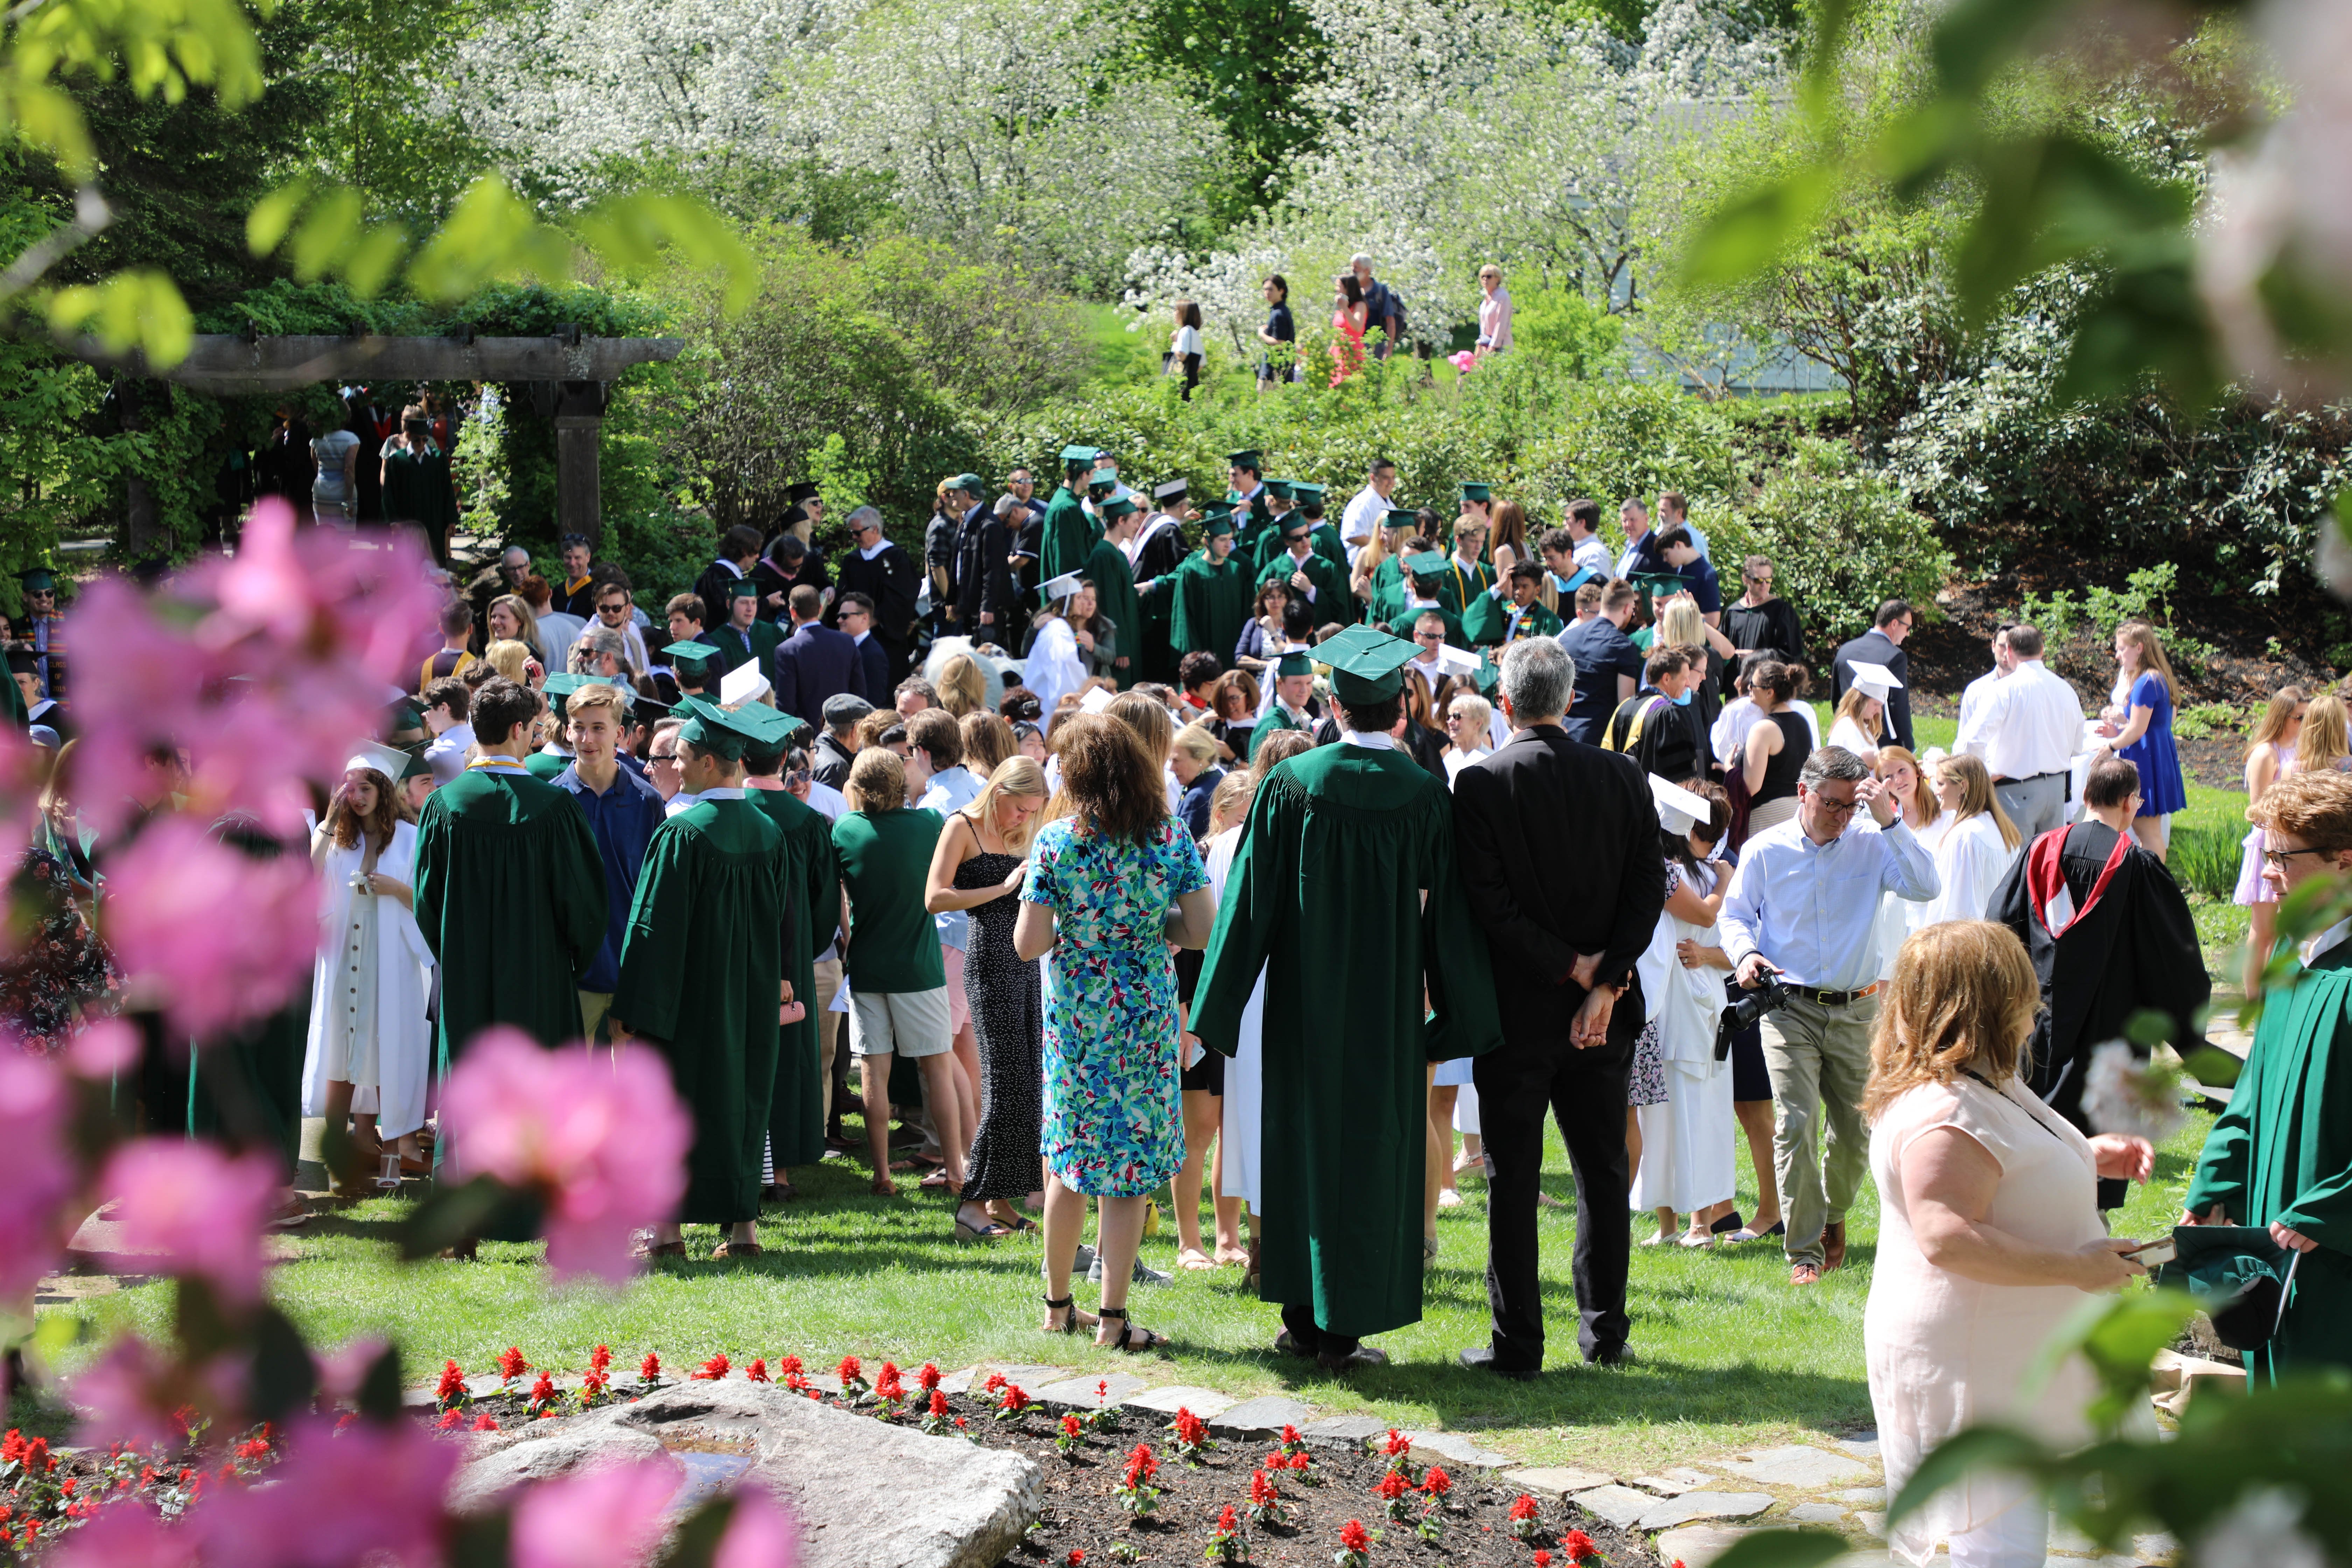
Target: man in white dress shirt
{"x": 1368, "y": 505}
{"x": 2027, "y": 732}
{"x": 1802, "y": 903}
{"x": 1979, "y": 691}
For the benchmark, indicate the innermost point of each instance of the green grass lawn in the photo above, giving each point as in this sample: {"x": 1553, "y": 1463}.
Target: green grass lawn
{"x": 1729, "y": 1355}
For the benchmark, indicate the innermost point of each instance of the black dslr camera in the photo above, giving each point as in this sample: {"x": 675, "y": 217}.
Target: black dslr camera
{"x": 1746, "y": 1008}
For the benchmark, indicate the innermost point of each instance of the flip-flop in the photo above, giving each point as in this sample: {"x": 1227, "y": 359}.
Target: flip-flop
{"x": 1714, "y": 1233}
{"x": 935, "y": 1181}
{"x": 1749, "y": 1233}
{"x": 967, "y": 1234}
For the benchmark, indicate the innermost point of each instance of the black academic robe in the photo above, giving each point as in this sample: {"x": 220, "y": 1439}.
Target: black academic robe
{"x": 984, "y": 582}
{"x": 891, "y": 581}
{"x": 2129, "y": 946}
{"x": 1156, "y": 559}
{"x": 715, "y": 588}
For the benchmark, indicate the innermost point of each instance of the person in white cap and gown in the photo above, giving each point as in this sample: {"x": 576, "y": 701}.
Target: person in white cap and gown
{"x": 1861, "y": 712}
{"x": 1052, "y": 667}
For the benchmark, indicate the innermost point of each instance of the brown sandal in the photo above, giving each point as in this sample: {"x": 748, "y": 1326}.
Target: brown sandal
{"x": 730, "y": 1249}
{"x": 659, "y": 1249}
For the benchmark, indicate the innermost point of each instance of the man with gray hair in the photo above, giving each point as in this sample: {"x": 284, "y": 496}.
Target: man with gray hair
{"x": 1558, "y": 844}
{"x": 1381, "y": 309}
{"x": 890, "y": 579}
{"x": 1803, "y": 905}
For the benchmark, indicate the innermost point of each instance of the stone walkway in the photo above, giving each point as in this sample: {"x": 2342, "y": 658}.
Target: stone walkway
{"x": 1693, "y": 1510}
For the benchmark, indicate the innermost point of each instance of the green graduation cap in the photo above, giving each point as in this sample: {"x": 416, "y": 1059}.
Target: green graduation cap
{"x": 743, "y": 588}
{"x": 1366, "y": 665}
{"x": 1080, "y": 454}
{"x": 1102, "y": 480}
{"x": 1400, "y": 517}
{"x": 772, "y": 727}
{"x": 1309, "y": 498}
{"x": 1218, "y": 522}
{"x": 1477, "y": 491}
{"x": 714, "y": 728}
{"x": 1118, "y": 508}
{"x": 1247, "y": 458}
{"x": 1296, "y": 662}
{"x": 41, "y": 579}
{"x": 1278, "y": 489}
{"x": 1425, "y": 563}
{"x": 2242, "y": 1279}
{"x": 415, "y": 767}
{"x": 1295, "y": 523}
{"x": 693, "y": 658}
{"x": 1656, "y": 583}
{"x": 1487, "y": 676}
{"x": 559, "y": 688}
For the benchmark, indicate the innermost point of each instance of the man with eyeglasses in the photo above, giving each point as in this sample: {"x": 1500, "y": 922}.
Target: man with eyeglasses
{"x": 2263, "y": 1165}
{"x": 887, "y": 578}
{"x": 2110, "y": 934}
{"x": 1883, "y": 643}
{"x": 616, "y": 610}
{"x": 1803, "y": 905}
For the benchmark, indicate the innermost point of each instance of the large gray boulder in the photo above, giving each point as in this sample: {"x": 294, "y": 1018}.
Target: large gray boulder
{"x": 866, "y": 1494}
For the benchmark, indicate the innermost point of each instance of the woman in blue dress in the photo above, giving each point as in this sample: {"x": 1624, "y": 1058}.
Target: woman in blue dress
{"x": 2138, "y": 727}
{"x": 1113, "y": 882}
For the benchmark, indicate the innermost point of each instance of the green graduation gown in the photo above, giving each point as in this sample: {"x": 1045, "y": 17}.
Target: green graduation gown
{"x": 545, "y": 764}
{"x": 812, "y": 881}
{"x": 1277, "y": 716}
{"x": 511, "y": 898}
{"x": 1332, "y": 600}
{"x": 1069, "y": 534}
{"x": 705, "y": 952}
{"x": 1212, "y": 600}
{"x": 1458, "y": 584}
{"x": 1325, "y": 897}
{"x": 1489, "y": 621}
{"x": 1388, "y": 593}
{"x": 2282, "y": 1152}
{"x": 738, "y": 646}
{"x": 1114, "y": 584}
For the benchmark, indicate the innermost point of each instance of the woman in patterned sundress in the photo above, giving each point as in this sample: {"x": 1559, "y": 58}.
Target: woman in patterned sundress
{"x": 979, "y": 867}
{"x": 1113, "y": 882}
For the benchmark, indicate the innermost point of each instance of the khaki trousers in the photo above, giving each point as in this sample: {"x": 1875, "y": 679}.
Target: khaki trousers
{"x": 594, "y": 1006}
{"x": 1820, "y": 1059}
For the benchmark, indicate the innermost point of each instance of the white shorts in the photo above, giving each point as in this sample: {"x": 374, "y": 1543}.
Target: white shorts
{"x": 899, "y": 1023}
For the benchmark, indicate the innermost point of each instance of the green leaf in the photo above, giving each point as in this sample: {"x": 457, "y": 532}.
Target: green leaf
{"x": 696, "y": 1544}
{"x": 273, "y": 214}
{"x": 379, "y": 1391}
{"x": 491, "y": 234}
{"x": 630, "y": 233}
{"x": 1978, "y": 1447}
{"x": 284, "y": 1378}
{"x": 2213, "y": 1067}
{"x": 2118, "y": 1336}
{"x": 2148, "y": 1027}
{"x": 327, "y": 231}
{"x": 1745, "y": 235}
{"x": 1974, "y": 38}
{"x": 1784, "y": 1549}
{"x": 453, "y": 1213}
{"x": 135, "y": 310}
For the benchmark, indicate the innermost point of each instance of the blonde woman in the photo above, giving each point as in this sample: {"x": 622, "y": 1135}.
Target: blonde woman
{"x": 978, "y": 867}
{"x": 1973, "y": 854}
{"x": 2137, "y": 727}
{"x": 1861, "y": 719}
{"x": 987, "y": 740}
{"x": 1923, "y": 814}
{"x": 1988, "y": 1237}
{"x": 1467, "y": 717}
{"x": 2270, "y": 757}
{"x": 961, "y": 687}
{"x": 2322, "y": 747}
{"x": 510, "y": 620}
{"x": 511, "y": 660}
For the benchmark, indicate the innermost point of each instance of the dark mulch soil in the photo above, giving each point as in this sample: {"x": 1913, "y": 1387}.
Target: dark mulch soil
{"x": 1083, "y": 1514}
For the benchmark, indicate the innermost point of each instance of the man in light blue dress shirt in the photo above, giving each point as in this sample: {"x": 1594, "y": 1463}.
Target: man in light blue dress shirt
{"x": 1804, "y": 902}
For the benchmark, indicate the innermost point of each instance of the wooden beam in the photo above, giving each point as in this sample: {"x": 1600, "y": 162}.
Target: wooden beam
{"x": 227, "y": 363}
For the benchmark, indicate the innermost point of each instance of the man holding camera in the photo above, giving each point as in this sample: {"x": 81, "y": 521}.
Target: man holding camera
{"x": 1801, "y": 907}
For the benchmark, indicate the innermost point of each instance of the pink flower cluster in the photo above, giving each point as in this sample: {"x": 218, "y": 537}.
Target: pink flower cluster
{"x": 35, "y": 1106}
{"x": 209, "y": 964}
{"x": 199, "y": 1206}
{"x": 601, "y": 1139}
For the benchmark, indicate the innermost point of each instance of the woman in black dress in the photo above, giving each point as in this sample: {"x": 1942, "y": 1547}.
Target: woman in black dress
{"x": 978, "y": 867}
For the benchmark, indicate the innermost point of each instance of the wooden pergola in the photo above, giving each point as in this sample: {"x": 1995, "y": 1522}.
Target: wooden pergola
{"x": 567, "y": 378}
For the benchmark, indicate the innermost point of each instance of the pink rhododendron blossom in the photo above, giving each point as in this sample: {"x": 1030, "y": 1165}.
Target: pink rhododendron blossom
{"x": 372, "y": 1494}
{"x": 762, "y": 1534}
{"x": 602, "y": 1138}
{"x": 611, "y": 1517}
{"x": 222, "y": 937}
{"x": 34, "y": 1108}
{"x": 200, "y": 1207}
{"x": 127, "y": 1535}
{"x": 105, "y": 1047}
{"x": 129, "y": 1394}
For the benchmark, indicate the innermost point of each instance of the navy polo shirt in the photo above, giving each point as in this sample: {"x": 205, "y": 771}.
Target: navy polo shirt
{"x": 622, "y": 819}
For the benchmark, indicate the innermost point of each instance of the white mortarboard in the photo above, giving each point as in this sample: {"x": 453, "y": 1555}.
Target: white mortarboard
{"x": 742, "y": 684}
{"x": 1061, "y": 587}
{"x": 383, "y": 759}
{"x": 1452, "y": 660}
{"x": 1096, "y": 699}
{"x": 1876, "y": 679}
{"x": 1679, "y": 810}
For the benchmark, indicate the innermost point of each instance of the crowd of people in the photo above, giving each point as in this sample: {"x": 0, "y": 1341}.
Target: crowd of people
{"x": 1259, "y": 871}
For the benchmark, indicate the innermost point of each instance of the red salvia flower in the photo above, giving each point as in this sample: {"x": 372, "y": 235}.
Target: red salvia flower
{"x": 939, "y": 1403}
{"x": 1392, "y": 1487}
{"x": 601, "y": 1359}
{"x": 758, "y": 1370}
{"x": 1579, "y": 1546}
{"x": 1523, "y": 1508}
{"x": 1353, "y": 1536}
{"x": 511, "y": 1363}
{"x": 449, "y": 1419}
{"x": 1437, "y": 1483}
{"x": 1261, "y": 1489}
{"x": 850, "y": 1371}
{"x": 1072, "y": 1427}
{"x": 929, "y": 1378}
{"x": 649, "y": 1369}
{"x": 1543, "y": 1557}
{"x": 715, "y": 1369}
{"x": 790, "y": 1367}
{"x": 543, "y": 1390}
{"x": 485, "y": 1423}
{"x": 1398, "y": 1443}
{"x": 1015, "y": 1402}
{"x": 452, "y": 1384}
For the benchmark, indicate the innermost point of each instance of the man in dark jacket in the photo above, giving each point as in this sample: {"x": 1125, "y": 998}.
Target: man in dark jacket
{"x": 984, "y": 581}
{"x": 1883, "y": 643}
{"x": 738, "y": 547}
{"x": 816, "y": 662}
{"x": 1557, "y": 846}
{"x": 888, "y": 578}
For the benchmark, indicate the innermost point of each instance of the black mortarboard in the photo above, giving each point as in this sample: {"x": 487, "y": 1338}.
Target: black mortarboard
{"x": 1171, "y": 490}
{"x": 799, "y": 493}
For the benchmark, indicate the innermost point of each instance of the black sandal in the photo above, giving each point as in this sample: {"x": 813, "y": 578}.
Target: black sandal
{"x": 1127, "y": 1344}
{"x": 1070, "y": 1323}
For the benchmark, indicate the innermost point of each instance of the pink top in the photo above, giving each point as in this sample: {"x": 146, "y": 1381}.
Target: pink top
{"x": 1494, "y": 320}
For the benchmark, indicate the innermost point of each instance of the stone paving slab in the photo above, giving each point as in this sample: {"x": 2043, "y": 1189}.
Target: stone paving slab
{"x": 1699, "y": 1545}
{"x": 1862, "y": 1497}
{"x": 1795, "y": 1464}
{"x": 1344, "y": 1431}
{"x": 1554, "y": 1481}
{"x": 1621, "y": 1506}
{"x": 1205, "y": 1402}
{"x": 1455, "y": 1447}
{"x": 1082, "y": 1393}
{"x": 1263, "y": 1416}
{"x": 958, "y": 1381}
{"x": 1873, "y": 1520}
{"x": 1814, "y": 1513}
{"x": 1692, "y": 1506}
{"x": 1676, "y": 1481}
{"x": 1861, "y": 1446}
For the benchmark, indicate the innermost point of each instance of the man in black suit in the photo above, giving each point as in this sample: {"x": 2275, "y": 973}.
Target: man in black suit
{"x": 1557, "y": 843}
{"x": 887, "y": 578}
{"x": 1883, "y": 643}
{"x": 983, "y": 577}
{"x": 856, "y": 622}
{"x": 816, "y": 662}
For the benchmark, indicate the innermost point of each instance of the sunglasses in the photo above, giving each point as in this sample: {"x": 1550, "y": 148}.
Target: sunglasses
{"x": 797, "y": 776}
{"x": 621, "y": 608}
{"x": 1429, "y": 637}
{"x": 663, "y": 757}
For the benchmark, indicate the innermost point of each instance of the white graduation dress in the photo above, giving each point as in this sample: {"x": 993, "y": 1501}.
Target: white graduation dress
{"x": 368, "y": 991}
{"x": 1052, "y": 667}
{"x": 1971, "y": 861}
{"x": 1245, "y": 1070}
{"x": 1686, "y": 1139}
{"x": 1898, "y": 917}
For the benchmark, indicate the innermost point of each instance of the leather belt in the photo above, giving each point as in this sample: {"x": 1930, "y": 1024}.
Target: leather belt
{"x": 2035, "y": 778}
{"x": 1834, "y": 998}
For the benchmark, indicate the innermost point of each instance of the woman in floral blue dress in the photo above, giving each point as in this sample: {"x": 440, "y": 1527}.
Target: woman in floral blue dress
{"x": 1112, "y": 885}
